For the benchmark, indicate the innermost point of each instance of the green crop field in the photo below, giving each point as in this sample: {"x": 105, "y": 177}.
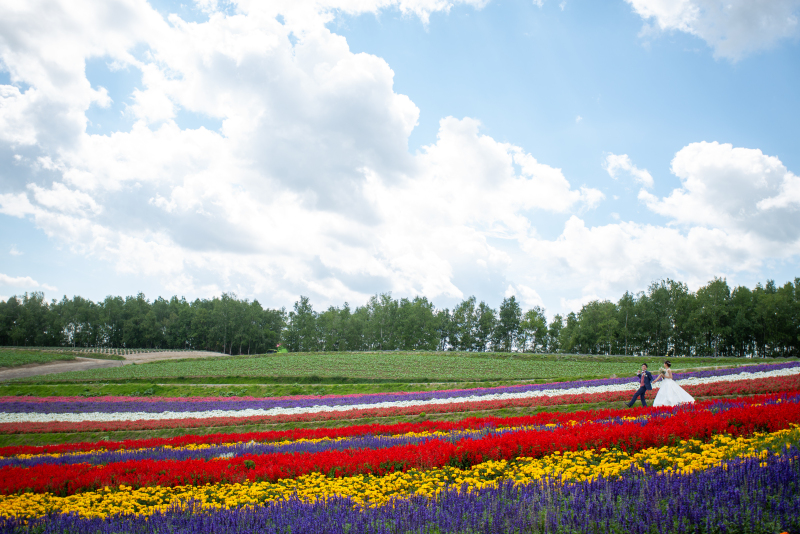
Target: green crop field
{"x": 15, "y": 358}
{"x": 12, "y": 357}
{"x": 345, "y": 367}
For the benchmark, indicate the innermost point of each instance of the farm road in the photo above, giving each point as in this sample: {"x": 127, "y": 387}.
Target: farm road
{"x": 84, "y": 364}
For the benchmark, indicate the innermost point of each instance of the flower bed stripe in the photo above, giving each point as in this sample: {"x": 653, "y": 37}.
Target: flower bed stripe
{"x": 232, "y": 450}
{"x": 752, "y": 386}
{"x": 475, "y": 423}
{"x": 683, "y": 424}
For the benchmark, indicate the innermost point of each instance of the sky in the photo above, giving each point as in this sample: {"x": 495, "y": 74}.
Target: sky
{"x": 557, "y": 151}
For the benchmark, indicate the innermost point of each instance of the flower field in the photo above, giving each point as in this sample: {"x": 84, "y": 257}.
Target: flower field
{"x": 68, "y": 414}
{"x": 727, "y": 464}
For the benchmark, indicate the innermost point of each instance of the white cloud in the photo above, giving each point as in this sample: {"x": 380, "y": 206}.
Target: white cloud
{"x": 526, "y": 296}
{"x": 16, "y": 205}
{"x": 15, "y": 107}
{"x": 578, "y": 119}
{"x": 59, "y": 197}
{"x": 615, "y": 163}
{"x": 309, "y": 188}
{"x": 610, "y": 259}
{"x": 733, "y": 28}
{"x": 736, "y": 209}
{"x": 152, "y": 106}
{"x": 787, "y": 197}
{"x": 738, "y": 190}
{"x": 15, "y": 251}
{"x": 575, "y": 305}
{"x": 44, "y": 44}
{"x": 23, "y": 282}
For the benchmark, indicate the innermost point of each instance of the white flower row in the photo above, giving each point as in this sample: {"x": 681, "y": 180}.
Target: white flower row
{"x": 141, "y": 416}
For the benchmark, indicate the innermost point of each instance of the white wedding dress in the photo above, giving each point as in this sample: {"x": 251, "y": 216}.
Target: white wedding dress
{"x": 671, "y": 394}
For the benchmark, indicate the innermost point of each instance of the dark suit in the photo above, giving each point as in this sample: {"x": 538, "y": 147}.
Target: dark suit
{"x": 647, "y": 386}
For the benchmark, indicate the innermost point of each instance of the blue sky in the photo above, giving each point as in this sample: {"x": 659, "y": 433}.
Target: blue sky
{"x": 557, "y": 151}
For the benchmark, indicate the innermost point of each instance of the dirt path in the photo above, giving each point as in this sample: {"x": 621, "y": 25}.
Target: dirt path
{"x": 145, "y": 357}
{"x": 84, "y": 364}
{"x": 78, "y": 364}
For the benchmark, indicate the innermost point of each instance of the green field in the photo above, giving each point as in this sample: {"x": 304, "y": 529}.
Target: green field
{"x": 16, "y": 358}
{"x": 376, "y": 368}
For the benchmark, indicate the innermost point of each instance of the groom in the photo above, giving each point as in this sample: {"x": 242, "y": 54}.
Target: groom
{"x": 645, "y": 378}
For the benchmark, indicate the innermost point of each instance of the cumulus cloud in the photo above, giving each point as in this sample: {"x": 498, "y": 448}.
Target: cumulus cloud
{"x": 308, "y": 187}
{"x": 60, "y": 198}
{"x": 15, "y": 107}
{"x": 23, "y": 282}
{"x": 527, "y": 296}
{"x": 737, "y": 208}
{"x": 309, "y": 182}
{"x": 737, "y": 190}
{"x": 614, "y": 163}
{"x": 732, "y": 28}
{"x": 607, "y": 260}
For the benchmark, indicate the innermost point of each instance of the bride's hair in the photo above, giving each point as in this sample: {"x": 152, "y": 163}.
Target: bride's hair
{"x": 667, "y": 363}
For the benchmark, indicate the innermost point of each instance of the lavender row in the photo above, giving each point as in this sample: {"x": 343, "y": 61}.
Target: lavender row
{"x": 745, "y": 496}
{"x": 177, "y": 405}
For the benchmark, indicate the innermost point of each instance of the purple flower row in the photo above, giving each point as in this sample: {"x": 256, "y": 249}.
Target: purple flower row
{"x": 178, "y": 405}
{"x": 744, "y": 496}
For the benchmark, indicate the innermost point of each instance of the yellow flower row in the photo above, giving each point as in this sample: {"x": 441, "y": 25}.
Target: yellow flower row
{"x": 369, "y": 490}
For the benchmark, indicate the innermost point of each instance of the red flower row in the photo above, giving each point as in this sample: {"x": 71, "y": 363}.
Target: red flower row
{"x": 753, "y": 386}
{"x": 630, "y": 436}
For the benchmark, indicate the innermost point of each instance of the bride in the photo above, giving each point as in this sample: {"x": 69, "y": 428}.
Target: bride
{"x": 670, "y": 393}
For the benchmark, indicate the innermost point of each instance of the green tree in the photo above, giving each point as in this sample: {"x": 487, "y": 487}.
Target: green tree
{"x": 742, "y": 335}
{"x": 332, "y": 329}
{"x": 568, "y": 336}
{"x": 595, "y": 331}
{"x": 554, "y": 334}
{"x": 533, "y": 331}
{"x": 416, "y": 328}
{"x": 712, "y": 314}
{"x": 465, "y": 325}
{"x": 381, "y": 328}
{"x": 508, "y": 324}
{"x": 486, "y": 319}
{"x": 301, "y": 332}
{"x": 445, "y": 328}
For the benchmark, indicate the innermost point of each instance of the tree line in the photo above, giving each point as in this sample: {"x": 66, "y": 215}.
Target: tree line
{"x": 224, "y": 324}
{"x": 666, "y": 319}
